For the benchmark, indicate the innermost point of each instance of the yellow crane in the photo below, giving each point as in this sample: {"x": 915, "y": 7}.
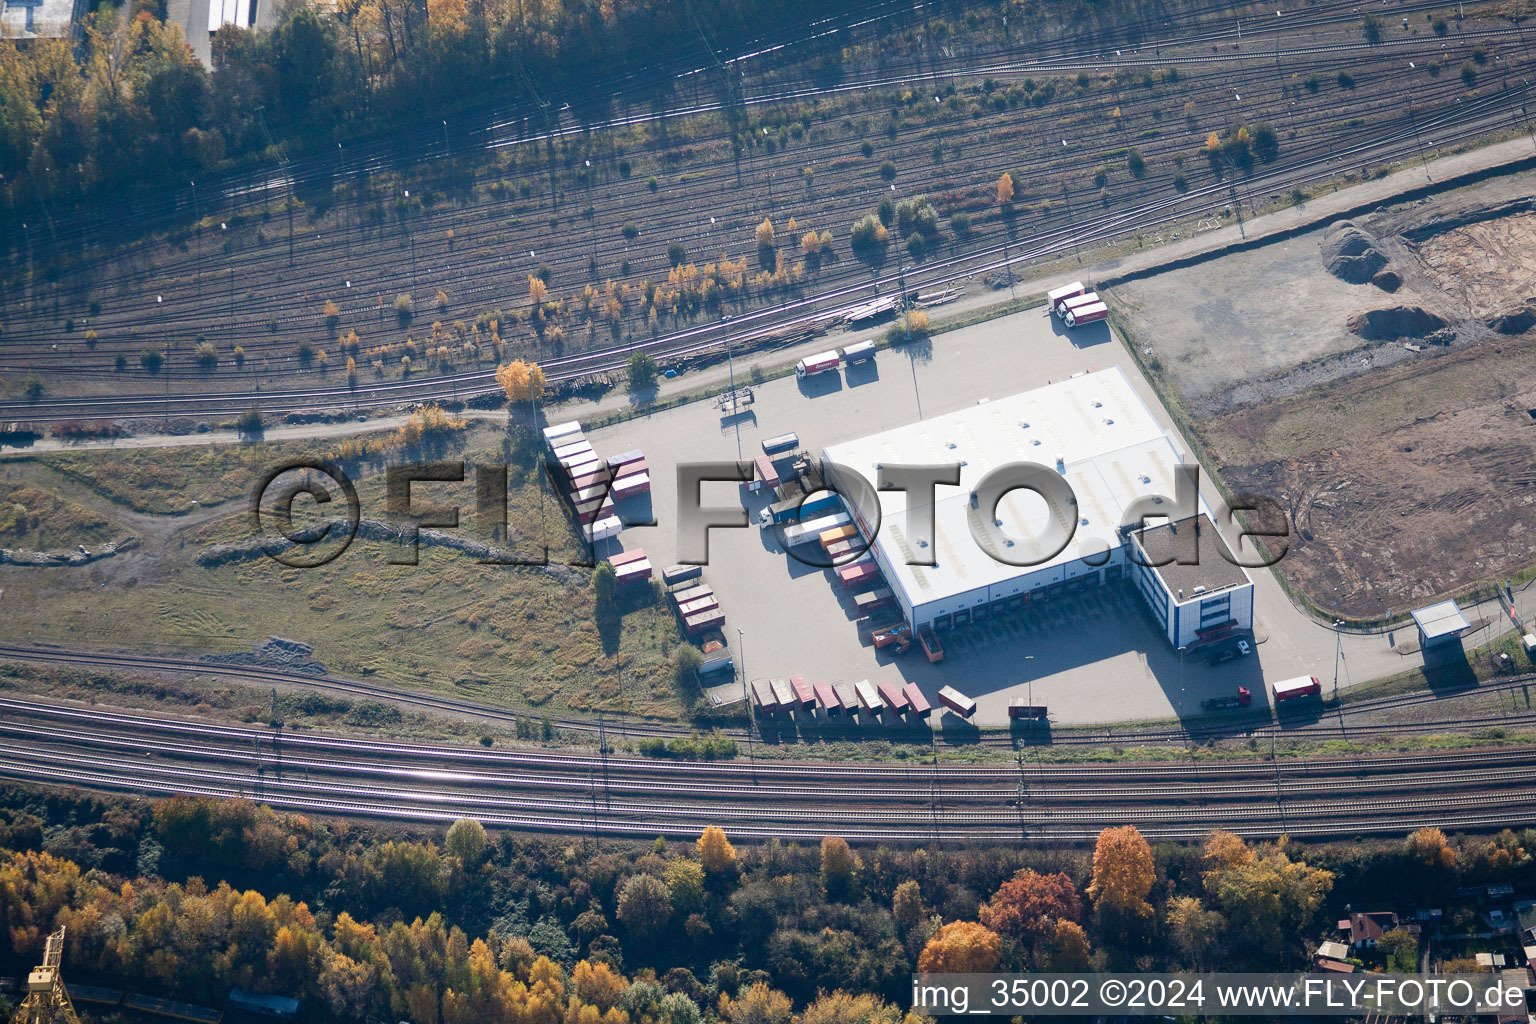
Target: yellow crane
{"x": 47, "y": 1001}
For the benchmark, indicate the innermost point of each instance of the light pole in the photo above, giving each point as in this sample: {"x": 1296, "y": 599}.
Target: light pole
{"x": 746, "y": 700}
{"x": 1338, "y": 652}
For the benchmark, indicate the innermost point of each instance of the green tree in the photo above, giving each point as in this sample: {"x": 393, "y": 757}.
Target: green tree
{"x": 467, "y": 841}
{"x": 1193, "y": 930}
{"x": 604, "y": 581}
{"x": 1266, "y": 143}
{"x": 869, "y": 239}
{"x": 641, "y": 371}
{"x": 1401, "y": 949}
{"x": 1269, "y": 899}
{"x": 644, "y": 905}
{"x": 837, "y": 865}
{"x": 685, "y": 886}
{"x": 907, "y": 904}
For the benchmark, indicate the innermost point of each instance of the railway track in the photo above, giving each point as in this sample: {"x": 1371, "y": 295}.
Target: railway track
{"x": 1352, "y": 719}
{"x": 1457, "y": 121}
{"x": 126, "y": 752}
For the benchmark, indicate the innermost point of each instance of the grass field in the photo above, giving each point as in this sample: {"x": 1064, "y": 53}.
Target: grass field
{"x": 35, "y": 518}
{"x": 513, "y": 635}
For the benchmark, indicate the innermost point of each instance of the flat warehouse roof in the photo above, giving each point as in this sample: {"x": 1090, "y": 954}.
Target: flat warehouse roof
{"x": 1109, "y": 446}
{"x": 1214, "y": 571}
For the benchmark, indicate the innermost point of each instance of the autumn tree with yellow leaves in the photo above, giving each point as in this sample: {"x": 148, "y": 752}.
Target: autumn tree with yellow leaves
{"x": 521, "y": 381}
{"x": 961, "y": 947}
{"x": 716, "y": 854}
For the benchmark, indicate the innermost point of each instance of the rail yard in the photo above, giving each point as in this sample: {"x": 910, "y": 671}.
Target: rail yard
{"x": 765, "y": 512}
{"x": 461, "y": 249}
{"x": 989, "y": 167}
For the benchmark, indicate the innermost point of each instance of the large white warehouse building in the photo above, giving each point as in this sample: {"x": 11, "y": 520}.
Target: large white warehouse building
{"x": 1098, "y": 434}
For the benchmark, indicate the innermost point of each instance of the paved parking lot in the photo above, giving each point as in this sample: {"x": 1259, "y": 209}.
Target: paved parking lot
{"x": 1092, "y": 657}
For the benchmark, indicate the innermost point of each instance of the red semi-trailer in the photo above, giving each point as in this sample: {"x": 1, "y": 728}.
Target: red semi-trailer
{"x": 957, "y": 702}
{"x": 920, "y": 706}
{"x": 858, "y": 574}
{"x": 803, "y": 692}
{"x": 825, "y": 695}
{"x": 894, "y": 698}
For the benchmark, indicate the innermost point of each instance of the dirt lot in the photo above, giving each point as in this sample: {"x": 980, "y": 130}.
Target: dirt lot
{"x": 1392, "y": 417}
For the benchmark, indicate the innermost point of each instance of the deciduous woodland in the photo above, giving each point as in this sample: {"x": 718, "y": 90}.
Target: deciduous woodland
{"x": 187, "y": 897}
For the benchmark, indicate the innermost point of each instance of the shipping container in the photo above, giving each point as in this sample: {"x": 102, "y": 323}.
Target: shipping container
{"x": 830, "y": 705}
{"x": 844, "y": 549}
{"x": 846, "y": 697}
{"x": 858, "y": 574}
{"x": 636, "y": 468}
{"x": 957, "y": 702}
{"x": 873, "y": 600}
{"x": 792, "y": 508}
{"x": 1087, "y": 315}
{"x": 762, "y": 696}
{"x": 808, "y": 532}
{"x": 697, "y": 606}
{"x": 783, "y": 693}
{"x": 803, "y": 692}
{"x": 1301, "y": 686}
{"x": 632, "y": 572}
{"x": 695, "y": 624}
{"x": 920, "y": 706}
{"x": 576, "y": 470}
{"x": 893, "y": 697}
{"x": 1067, "y": 291}
{"x": 630, "y": 486}
{"x": 625, "y": 458}
{"x": 603, "y": 529}
{"x": 626, "y": 556}
{"x": 570, "y": 452}
{"x": 869, "y": 697}
{"x": 819, "y": 363}
{"x": 717, "y": 662}
{"x": 692, "y": 593}
{"x": 863, "y": 352}
{"x": 840, "y": 533}
{"x": 594, "y": 509}
{"x": 766, "y": 475}
{"x": 561, "y": 433}
{"x": 781, "y": 443}
{"x": 1018, "y": 707}
{"x": 681, "y": 573}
